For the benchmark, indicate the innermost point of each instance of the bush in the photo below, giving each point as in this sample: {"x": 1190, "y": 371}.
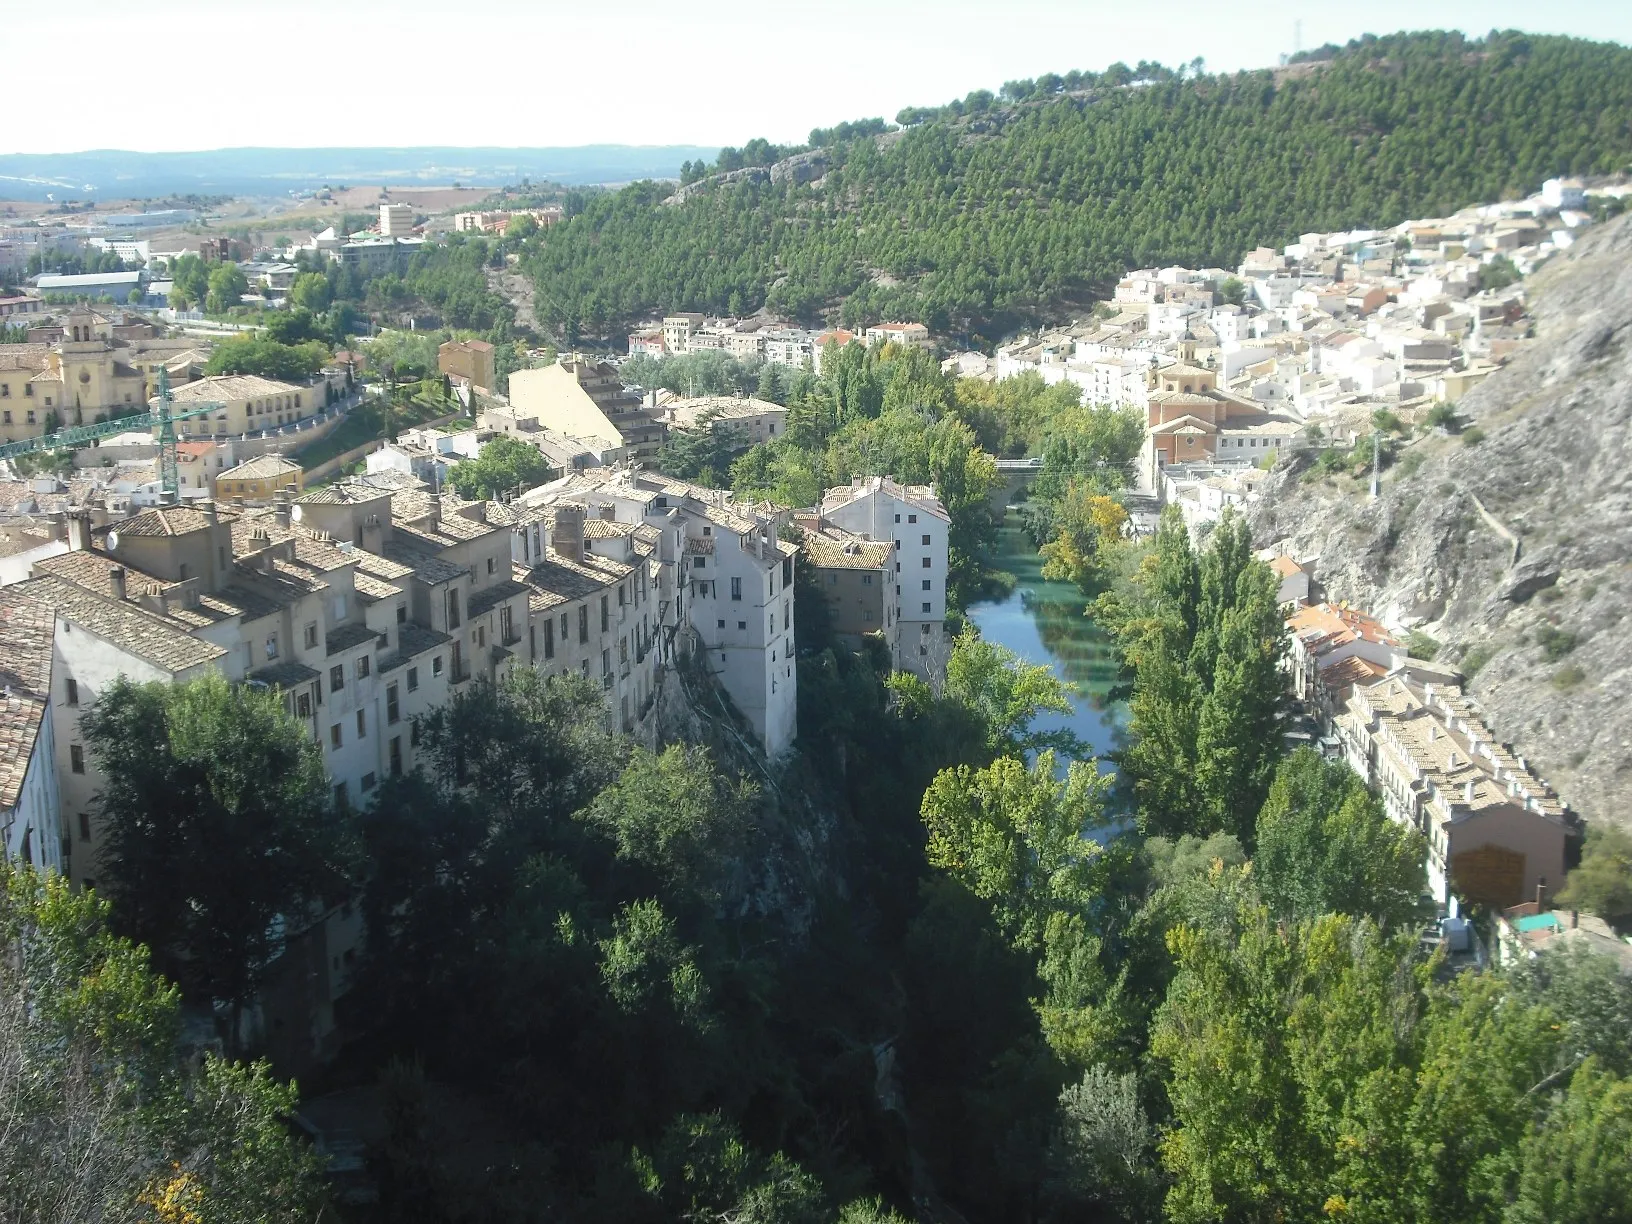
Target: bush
{"x": 1473, "y": 436}
{"x": 1567, "y": 678}
{"x": 1409, "y": 464}
{"x": 1555, "y": 643}
{"x": 1475, "y": 657}
{"x": 1421, "y": 646}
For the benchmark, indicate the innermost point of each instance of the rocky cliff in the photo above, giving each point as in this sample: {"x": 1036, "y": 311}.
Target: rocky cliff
{"x": 1513, "y": 549}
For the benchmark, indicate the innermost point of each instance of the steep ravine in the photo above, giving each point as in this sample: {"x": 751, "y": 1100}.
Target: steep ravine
{"x": 1551, "y": 481}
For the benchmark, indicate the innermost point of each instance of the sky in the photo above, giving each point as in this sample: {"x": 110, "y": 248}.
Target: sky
{"x": 542, "y": 73}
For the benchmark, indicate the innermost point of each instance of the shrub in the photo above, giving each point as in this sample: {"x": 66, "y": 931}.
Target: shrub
{"x": 1473, "y": 436}
{"x": 1555, "y": 643}
{"x": 1475, "y": 657}
{"x": 1409, "y": 464}
{"x": 1420, "y": 646}
{"x": 1567, "y": 678}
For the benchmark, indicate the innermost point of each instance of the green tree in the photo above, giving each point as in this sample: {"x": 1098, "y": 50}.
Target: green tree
{"x": 310, "y": 292}
{"x": 227, "y": 284}
{"x": 218, "y": 827}
{"x": 1326, "y": 846}
{"x": 504, "y": 465}
{"x": 1603, "y": 881}
{"x": 964, "y": 477}
{"x": 268, "y": 358}
{"x": 1017, "y": 838}
{"x": 1006, "y": 695}
{"x": 103, "y": 1118}
{"x": 1574, "y": 1167}
{"x": 190, "y": 279}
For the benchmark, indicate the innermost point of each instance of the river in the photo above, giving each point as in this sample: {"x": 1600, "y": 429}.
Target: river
{"x": 1043, "y": 622}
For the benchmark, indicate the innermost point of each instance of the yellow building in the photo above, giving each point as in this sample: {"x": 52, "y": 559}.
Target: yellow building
{"x": 258, "y": 479}
{"x": 73, "y": 382}
{"x": 249, "y": 403}
{"x": 471, "y": 360}
{"x": 584, "y": 399}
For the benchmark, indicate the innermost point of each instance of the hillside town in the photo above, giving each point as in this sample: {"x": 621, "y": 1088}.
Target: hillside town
{"x": 367, "y": 593}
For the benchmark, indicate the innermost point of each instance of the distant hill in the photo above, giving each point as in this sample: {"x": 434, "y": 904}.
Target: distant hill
{"x": 114, "y": 174}
{"x": 997, "y": 210}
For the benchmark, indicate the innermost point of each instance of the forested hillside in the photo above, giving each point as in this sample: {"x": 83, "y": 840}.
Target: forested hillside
{"x": 990, "y": 211}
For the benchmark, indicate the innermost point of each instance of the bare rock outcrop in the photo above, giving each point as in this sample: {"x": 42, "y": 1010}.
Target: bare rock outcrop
{"x": 1514, "y": 551}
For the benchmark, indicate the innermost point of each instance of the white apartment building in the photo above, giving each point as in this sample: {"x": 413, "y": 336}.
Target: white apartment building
{"x": 912, "y": 518}
{"x": 724, "y": 580}
{"x": 789, "y": 347}
{"x": 396, "y": 220}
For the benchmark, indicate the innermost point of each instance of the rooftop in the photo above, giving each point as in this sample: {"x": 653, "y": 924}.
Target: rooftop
{"x": 27, "y": 627}
{"x": 125, "y": 625}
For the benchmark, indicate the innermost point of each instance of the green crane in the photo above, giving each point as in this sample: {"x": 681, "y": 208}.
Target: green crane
{"x": 161, "y": 418}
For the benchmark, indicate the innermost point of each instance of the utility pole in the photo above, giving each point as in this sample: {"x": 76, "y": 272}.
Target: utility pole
{"x": 1376, "y": 447}
{"x": 169, "y": 479}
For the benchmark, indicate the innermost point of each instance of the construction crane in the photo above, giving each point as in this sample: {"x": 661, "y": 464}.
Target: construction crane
{"x": 161, "y": 418}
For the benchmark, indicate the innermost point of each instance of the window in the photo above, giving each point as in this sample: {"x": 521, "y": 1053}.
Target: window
{"x": 564, "y": 633}
{"x": 481, "y": 636}
{"x": 303, "y": 705}
{"x": 413, "y": 679}
{"x": 396, "y": 756}
{"x": 362, "y": 724}
{"x": 606, "y": 662}
{"x": 402, "y": 614}
{"x": 340, "y": 799}
{"x": 72, "y": 686}
{"x": 708, "y": 529}
{"x": 453, "y": 609}
{"x": 76, "y": 758}
{"x": 926, "y": 562}
{"x": 926, "y": 584}
{"x": 549, "y": 639}
{"x": 272, "y": 647}
{"x": 697, "y": 563}
{"x": 362, "y": 667}
{"x": 912, "y": 518}
{"x": 926, "y": 541}
{"x": 926, "y": 607}
{"x": 84, "y": 826}
{"x": 742, "y": 624}
{"x": 583, "y": 623}
{"x": 490, "y": 565}
{"x": 368, "y": 782}
{"x": 336, "y": 736}
{"x": 337, "y": 678}
{"x": 866, "y": 580}
{"x": 832, "y": 580}
{"x": 736, "y": 588}
{"x": 721, "y": 624}
{"x": 393, "y": 709}
{"x": 898, "y": 518}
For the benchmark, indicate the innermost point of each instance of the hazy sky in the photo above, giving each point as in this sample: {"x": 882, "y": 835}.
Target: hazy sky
{"x": 202, "y": 74}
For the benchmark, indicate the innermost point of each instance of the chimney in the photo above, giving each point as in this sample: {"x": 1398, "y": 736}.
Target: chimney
{"x": 116, "y": 582}
{"x": 567, "y": 532}
{"x": 373, "y": 535}
{"x": 79, "y": 532}
{"x": 1467, "y": 793}
{"x": 281, "y": 509}
{"x": 210, "y": 515}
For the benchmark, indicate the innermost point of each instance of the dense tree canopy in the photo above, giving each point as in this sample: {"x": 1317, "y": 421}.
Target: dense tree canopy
{"x": 988, "y": 212}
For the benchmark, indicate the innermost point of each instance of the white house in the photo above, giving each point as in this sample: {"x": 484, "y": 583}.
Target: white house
{"x": 30, "y": 803}
{"x": 879, "y": 508}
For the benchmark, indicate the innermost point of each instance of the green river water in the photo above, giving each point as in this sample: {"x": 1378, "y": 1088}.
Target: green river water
{"x": 1043, "y": 622}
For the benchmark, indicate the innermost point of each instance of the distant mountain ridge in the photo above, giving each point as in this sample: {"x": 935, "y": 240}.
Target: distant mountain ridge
{"x": 120, "y": 174}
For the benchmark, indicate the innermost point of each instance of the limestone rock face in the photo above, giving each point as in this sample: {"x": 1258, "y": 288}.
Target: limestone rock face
{"x": 1514, "y": 552}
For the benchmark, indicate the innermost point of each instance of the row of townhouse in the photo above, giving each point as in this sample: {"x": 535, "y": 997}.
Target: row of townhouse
{"x": 723, "y": 580}
{"x": 750, "y": 339}
{"x": 1494, "y": 832}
